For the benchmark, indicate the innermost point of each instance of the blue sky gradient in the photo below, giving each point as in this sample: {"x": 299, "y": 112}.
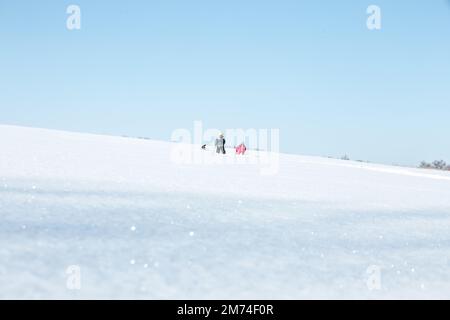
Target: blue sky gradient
{"x": 310, "y": 68}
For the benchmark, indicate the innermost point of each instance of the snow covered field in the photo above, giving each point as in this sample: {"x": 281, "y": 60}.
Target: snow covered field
{"x": 139, "y": 225}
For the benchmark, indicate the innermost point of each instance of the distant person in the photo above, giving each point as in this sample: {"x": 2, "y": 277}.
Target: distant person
{"x": 220, "y": 144}
{"x": 241, "y": 149}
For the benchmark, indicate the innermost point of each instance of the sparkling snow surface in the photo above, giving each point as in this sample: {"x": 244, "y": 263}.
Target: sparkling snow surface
{"x": 139, "y": 225}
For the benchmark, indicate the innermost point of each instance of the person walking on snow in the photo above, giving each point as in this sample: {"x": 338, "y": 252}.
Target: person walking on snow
{"x": 220, "y": 144}
{"x": 241, "y": 149}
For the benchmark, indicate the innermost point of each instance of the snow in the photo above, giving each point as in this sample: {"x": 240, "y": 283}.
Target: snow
{"x": 140, "y": 225}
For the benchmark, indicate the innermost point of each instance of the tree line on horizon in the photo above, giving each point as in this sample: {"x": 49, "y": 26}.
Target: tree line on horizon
{"x": 437, "y": 164}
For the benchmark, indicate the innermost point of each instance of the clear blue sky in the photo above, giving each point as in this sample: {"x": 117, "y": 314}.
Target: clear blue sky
{"x": 310, "y": 68}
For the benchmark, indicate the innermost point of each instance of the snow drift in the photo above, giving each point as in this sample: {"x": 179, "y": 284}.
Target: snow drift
{"x": 139, "y": 225}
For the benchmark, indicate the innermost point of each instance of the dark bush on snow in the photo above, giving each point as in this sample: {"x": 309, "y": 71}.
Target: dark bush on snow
{"x": 437, "y": 164}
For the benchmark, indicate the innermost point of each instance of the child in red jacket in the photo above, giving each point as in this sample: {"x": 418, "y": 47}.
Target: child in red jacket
{"x": 241, "y": 149}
